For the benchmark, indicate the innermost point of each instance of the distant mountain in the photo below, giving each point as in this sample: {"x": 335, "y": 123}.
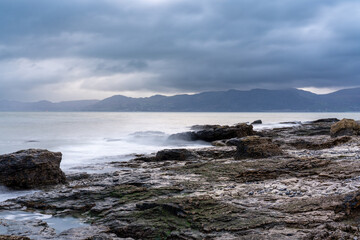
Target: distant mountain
{"x": 43, "y": 106}
{"x": 256, "y": 100}
{"x": 224, "y": 101}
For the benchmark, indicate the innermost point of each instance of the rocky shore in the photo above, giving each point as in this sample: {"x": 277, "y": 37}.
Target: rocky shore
{"x": 298, "y": 182}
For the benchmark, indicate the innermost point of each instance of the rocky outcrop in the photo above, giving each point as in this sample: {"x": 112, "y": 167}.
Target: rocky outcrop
{"x": 256, "y": 147}
{"x": 256, "y": 122}
{"x": 345, "y": 127}
{"x": 210, "y": 133}
{"x": 30, "y": 169}
{"x": 175, "y": 154}
{"x": 308, "y": 190}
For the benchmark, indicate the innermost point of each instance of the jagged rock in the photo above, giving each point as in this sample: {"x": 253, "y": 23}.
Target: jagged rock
{"x": 256, "y": 147}
{"x": 175, "y": 154}
{"x": 256, "y": 122}
{"x": 345, "y": 127}
{"x": 31, "y": 168}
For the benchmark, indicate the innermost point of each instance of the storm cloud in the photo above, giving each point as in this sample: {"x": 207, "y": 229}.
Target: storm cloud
{"x": 76, "y": 49}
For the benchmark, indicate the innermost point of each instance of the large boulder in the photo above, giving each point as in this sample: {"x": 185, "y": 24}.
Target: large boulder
{"x": 345, "y": 127}
{"x": 256, "y": 147}
{"x": 30, "y": 169}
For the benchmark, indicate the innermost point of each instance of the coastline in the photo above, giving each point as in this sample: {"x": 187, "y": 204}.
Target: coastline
{"x": 307, "y": 190}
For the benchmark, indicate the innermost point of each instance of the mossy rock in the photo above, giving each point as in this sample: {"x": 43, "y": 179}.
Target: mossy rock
{"x": 345, "y": 127}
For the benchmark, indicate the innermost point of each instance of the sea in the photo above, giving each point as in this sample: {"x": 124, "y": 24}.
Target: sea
{"x": 90, "y": 141}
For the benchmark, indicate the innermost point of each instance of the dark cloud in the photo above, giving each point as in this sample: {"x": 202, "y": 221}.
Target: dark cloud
{"x": 55, "y": 48}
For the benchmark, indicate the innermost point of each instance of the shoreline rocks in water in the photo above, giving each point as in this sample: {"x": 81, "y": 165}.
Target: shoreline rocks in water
{"x": 30, "y": 169}
{"x": 210, "y": 133}
{"x": 291, "y": 183}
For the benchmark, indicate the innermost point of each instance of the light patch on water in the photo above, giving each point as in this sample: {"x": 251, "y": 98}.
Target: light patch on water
{"x": 60, "y": 224}
{"x": 6, "y": 193}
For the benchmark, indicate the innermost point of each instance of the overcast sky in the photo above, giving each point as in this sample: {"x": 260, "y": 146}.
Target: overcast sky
{"x": 92, "y": 49}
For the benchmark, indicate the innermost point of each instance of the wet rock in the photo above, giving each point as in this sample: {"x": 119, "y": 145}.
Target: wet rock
{"x": 345, "y": 127}
{"x": 256, "y": 122}
{"x": 175, "y": 154}
{"x": 256, "y": 147}
{"x": 303, "y": 144}
{"x": 31, "y": 168}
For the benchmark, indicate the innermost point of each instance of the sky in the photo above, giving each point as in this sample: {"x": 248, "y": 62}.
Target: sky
{"x": 87, "y": 49}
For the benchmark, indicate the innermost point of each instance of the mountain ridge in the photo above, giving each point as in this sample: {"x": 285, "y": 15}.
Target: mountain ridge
{"x": 255, "y": 100}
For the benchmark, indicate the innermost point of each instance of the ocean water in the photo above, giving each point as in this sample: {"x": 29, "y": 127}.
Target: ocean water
{"x": 89, "y": 141}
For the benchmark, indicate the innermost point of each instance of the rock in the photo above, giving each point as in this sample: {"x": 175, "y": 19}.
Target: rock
{"x": 256, "y": 147}
{"x": 345, "y": 127}
{"x": 30, "y": 169}
{"x": 233, "y": 142}
{"x": 256, "y": 122}
{"x": 175, "y": 154}
{"x": 326, "y": 120}
{"x": 88, "y": 233}
{"x": 9, "y": 237}
{"x": 204, "y": 127}
{"x": 219, "y": 143}
{"x": 240, "y": 130}
{"x": 184, "y": 136}
{"x": 213, "y": 133}
{"x": 350, "y": 204}
{"x": 303, "y": 144}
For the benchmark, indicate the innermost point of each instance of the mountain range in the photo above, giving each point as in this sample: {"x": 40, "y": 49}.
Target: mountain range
{"x": 256, "y": 100}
